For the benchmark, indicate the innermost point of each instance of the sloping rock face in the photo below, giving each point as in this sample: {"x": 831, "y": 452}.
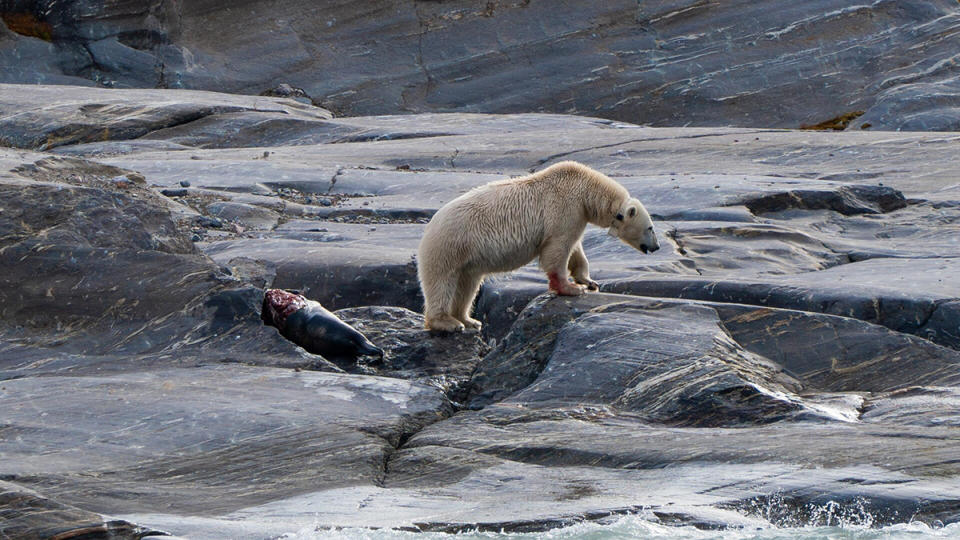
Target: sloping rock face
{"x": 790, "y": 355}
{"x": 827, "y": 63}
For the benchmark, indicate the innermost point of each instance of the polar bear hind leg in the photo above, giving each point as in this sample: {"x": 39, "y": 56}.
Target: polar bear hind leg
{"x": 440, "y": 296}
{"x": 467, "y": 287}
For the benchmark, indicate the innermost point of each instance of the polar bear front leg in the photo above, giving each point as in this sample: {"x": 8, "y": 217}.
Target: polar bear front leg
{"x": 580, "y": 268}
{"x": 554, "y": 257}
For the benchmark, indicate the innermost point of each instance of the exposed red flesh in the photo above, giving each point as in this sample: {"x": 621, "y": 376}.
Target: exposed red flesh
{"x": 279, "y": 304}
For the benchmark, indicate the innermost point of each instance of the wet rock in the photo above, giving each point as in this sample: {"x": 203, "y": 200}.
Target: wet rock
{"x": 848, "y": 200}
{"x": 632, "y": 361}
{"x": 840, "y": 354}
{"x": 595, "y": 451}
{"x": 410, "y": 352}
{"x": 917, "y": 406}
{"x": 901, "y": 294}
{"x": 29, "y": 516}
{"x": 165, "y": 300}
{"x": 355, "y": 267}
{"x": 258, "y": 273}
{"x": 751, "y": 367}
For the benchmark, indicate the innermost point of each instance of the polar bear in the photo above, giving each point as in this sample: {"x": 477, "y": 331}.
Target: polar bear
{"x": 505, "y": 224}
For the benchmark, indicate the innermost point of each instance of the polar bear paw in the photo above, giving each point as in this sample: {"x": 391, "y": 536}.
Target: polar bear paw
{"x": 471, "y": 324}
{"x": 444, "y": 323}
{"x": 563, "y": 287}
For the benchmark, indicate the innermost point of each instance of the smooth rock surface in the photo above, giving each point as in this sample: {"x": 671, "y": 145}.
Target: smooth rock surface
{"x": 189, "y": 440}
{"x": 888, "y": 65}
{"x": 794, "y": 346}
{"x": 26, "y": 515}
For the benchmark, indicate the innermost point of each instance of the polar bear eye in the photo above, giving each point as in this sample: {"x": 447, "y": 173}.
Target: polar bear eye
{"x": 632, "y": 212}
{"x": 650, "y": 228}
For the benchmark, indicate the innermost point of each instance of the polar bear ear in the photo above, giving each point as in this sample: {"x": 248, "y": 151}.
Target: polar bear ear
{"x": 632, "y": 212}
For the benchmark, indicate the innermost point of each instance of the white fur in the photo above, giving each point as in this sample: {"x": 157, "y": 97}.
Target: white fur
{"x": 505, "y": 224}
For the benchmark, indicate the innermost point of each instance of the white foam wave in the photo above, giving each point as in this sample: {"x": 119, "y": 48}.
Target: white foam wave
{"x": 636, "y": 527}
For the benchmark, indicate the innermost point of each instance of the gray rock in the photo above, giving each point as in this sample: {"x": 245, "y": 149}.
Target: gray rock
{"x": 660, "y": 63}
{"x": 209, "y": 427}
{"x": 794, "y": 355}
{"x": 125, "y": 114}
{"x": 165, "y": 300}
{"x": 29, "y": 516}
{"x": 251, "y": 217}
{"x": 445, "y": 361}
{"x": 901, "y": 294}
{"x": 779, "y": 351}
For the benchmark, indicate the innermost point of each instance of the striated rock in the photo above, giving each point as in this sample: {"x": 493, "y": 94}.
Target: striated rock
{"x": 209, "y": 439}
{"x": 789, "y": 357}
{"x": 47, "y": 117}
{"x": 663, "y": 63}
{"x": 70, "y": 230}
{"x": 621, "y": 352}
{"x": 901, "y": 294}
{"x": 28, "y": 516}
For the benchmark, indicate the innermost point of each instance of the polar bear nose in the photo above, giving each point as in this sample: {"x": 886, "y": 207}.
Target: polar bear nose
{"x": 654, "y": 248}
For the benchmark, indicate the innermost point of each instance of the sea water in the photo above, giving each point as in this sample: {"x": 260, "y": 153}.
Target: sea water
{"x": 636, "y": 527}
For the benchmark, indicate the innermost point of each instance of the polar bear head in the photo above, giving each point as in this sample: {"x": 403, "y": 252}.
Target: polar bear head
{"x": 633, "y": 226}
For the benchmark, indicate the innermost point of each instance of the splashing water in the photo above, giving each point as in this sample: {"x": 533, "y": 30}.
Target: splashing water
{"x": 636, "y": 527}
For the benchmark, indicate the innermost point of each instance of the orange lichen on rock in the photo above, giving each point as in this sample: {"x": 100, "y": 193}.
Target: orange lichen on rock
{"x": 27, "y": 24}
{"x": 837, "y": 123}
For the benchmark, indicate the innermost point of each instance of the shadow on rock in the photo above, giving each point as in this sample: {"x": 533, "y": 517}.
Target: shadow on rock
{"x": 411, "y": 352}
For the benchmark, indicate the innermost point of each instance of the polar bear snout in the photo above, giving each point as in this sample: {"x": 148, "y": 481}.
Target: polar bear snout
{"x": 650, "y": 243}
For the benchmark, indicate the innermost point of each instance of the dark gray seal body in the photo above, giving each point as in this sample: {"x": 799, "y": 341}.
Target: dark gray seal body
{"x": 311, "y": 326}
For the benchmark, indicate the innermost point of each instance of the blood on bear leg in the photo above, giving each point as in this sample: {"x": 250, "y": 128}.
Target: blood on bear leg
{"x": 562, "y": 286}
